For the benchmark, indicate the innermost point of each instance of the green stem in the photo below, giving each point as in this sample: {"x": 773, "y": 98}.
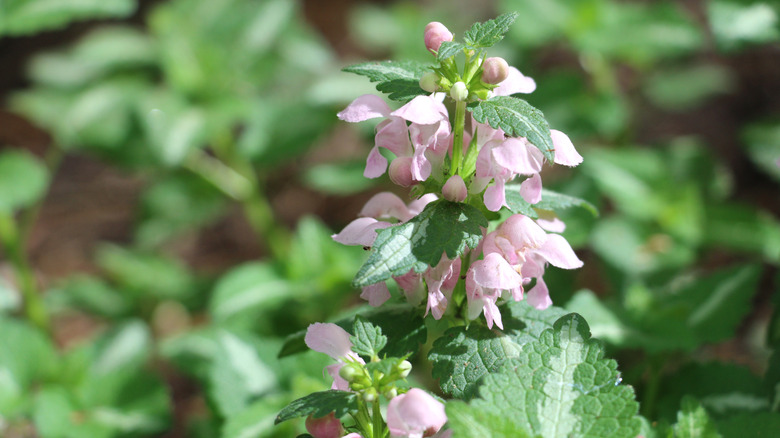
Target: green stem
{"x": 13, "y": 246}
{"x": 379, "y": 424}
{"x": 653, "y": 385}
{"x": 457, "y": 139}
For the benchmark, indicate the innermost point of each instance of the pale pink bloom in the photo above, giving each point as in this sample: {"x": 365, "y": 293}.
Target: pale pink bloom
{"x": 528, "y": 248}
{"x": 415, "y": 414}
{"x": 565, "y": 153}
{"x": 386, "y": 205}
{"x": 325, "y": 427}
{"x": 361, "y": 231}
{"x": 412, "y": 286}
{"x": 550, "y": 222}
{"x": 441, "y": 280}
{"x": 353, "y": 435}
{"x": 454, "y": 189}
{"x": 435, "y": 34}
{"x": 500, "y": 161}
{"x": 334, "y": 341}
{"x": 376, "y": 294}
{"x": 515, "y": 83}
{"x": 485, "y": 281}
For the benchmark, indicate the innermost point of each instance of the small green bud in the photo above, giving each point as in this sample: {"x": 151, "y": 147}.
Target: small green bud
{"x": 369, "y": 395}
{"x": 404, "y": 368}
{"x": 349, "y": 372}
{"x": 459, "y": 92}
{"x": 391, "y": 393}
{"x": 484, "y": 94}
{"x": 429, "y": 82}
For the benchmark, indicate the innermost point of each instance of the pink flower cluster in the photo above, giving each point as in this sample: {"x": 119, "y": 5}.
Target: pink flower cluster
{"x": 420, "y": 136}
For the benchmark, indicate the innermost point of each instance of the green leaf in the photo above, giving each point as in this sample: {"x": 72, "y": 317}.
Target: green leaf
{"x": 473, "y": 422}
{"x": 448, "y": 49}
{"x": 319, "y": 404}
{"x": 693, "y": 421}
{"x": 758, "y": 425}
{"x": 517, "y": 118}
{"x": 23, "y": 17}
{"x": 23, "y": 180}
{"x": 404, "y": 327}
{"x": 367, "y": 339}
{"x": 238, "y": 375}
{"x": 257, "y": 420}
{"x": 550, "y": 201}
{"x": 399, "y": 79}
{"x": 763, "y": 145}
{"x": 461, "y": 356}
{"x": 561, "y": 386}
{"x": 343, "y": 178}
{"x": 735, "y": 25}
{"x": 490, "y": 32}
{"x": 246, "y": 289}
{"x": 443, "y": 227}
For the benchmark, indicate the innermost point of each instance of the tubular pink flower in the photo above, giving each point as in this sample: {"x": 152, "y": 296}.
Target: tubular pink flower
{"x": 415, "y": 414}
{"x": 531, "y": 189}
{"x": 435, "y": 34}
{"x": 361, "y": 231}
{"x": 400, "y": 171}
{"x": 325, "y": 427}
{"x": 376, "y": 294}
{"x": 441, "y": 280}
{"x": 334, "y": 341}
{"x": 484, "y": 282}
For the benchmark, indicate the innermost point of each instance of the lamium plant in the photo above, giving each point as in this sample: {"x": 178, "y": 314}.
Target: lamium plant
{"x": 474, "y": 239}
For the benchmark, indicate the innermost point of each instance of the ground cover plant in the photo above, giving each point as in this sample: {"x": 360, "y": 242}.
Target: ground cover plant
{"x": 633, "y": 294}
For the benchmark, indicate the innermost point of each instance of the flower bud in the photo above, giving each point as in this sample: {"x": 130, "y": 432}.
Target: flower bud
{"x": 435, "y": 34}
{"x": 494, "y": 70}
{"x": 349, "y": 372}
{"x": 369, "y": 395}
{"x": 326, "y": 427}
{"x": 429, "y": 82}
{"x": 391, "y": 393}
{"x": 454, "y": 189}
{"x": 400, "y": 171}
{"x": 404, "y": 368}
{"x": 459, "y": 92}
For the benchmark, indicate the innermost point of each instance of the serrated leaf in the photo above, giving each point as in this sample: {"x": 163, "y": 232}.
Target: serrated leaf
{"x": 405, "y": 330}
{"x": 443, "y": 227}
{"x": 448, "y": 49}
{"x": 517, "y": 118}
{"x": 566, "y": 387}
{"x": 471, "y": 422}
{"x": 693, "y": 421}
{"x": 461, "y": 356}
{"x": 319, "y": 404}
{"x": 23, "y": 180}
{"x": 367, "y": 339}
{"x": 490, "y": 32}
{"x": 399, "y": 79}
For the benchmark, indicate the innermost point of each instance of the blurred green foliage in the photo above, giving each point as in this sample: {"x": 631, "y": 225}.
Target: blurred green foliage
{"x": 207, "y": 99}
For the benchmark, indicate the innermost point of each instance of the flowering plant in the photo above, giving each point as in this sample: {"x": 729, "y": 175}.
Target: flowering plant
{"x": 474, "y": 240}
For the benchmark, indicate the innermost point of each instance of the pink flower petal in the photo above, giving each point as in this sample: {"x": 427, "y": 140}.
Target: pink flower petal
{"x": 516, "y": 82}
{"x": 557, "y": 251}
{"x": 518, "y": 156}
{"x": 539, "y": 296}
{"x": 376, "y": 294}
{"x": 494, "y": 272}
{"x": 393, "y": 134}
{"x": 565, "y": 153}
{"x": 365, "y": 107}
{"x": 492, "y": 314}
{"x": 330, "y": 339}
{"x": 495, "y": 197}
{"x": 415, "y": 414}
{"x": 424, "y": 110}
{"x": 523, "y": 232}
{"x": 361, "y": 231}
{"x": 418, "y": 205}
{"x": 376, "y": 164}
{"x": 387, "y": 205}
{"x": 531, "y": 189}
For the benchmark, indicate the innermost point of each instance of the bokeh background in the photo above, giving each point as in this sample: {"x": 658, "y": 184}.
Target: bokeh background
{"x": 171, "y": 171}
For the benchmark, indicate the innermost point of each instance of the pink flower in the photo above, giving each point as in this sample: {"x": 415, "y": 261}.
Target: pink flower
{"x": 528, "y": 248}
{"x": 415, "y": 414}
{"x": 500, "y": 161}
{"x": 429, "y": 129}
{"x": 441, "y": 280}
{"x": 334, "y": 341}
{"x": 565, "y": 153}
{"x": 494, "y": 70}
{"x": 485, "y": 281}
{"x": 454, "y": 189}
{"x": 514, "y": 83}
